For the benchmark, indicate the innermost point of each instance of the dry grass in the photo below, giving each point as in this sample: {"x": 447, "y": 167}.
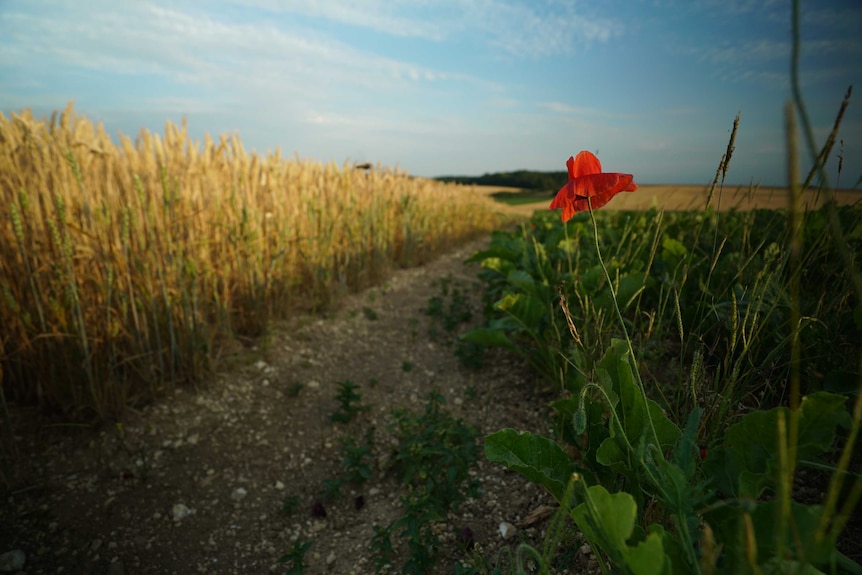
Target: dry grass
{"x": 123, "y": 268}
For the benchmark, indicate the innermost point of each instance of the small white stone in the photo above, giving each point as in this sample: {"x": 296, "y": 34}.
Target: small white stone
{"x": 330, "y": 559}
{"x": 260, "y": 364}
{"x": 179, "y": 512}
{"x": 239, "y": 494}
{"x": 313, "y": 384}
{"x": 279, "y": 485}
{"x": 507, "y": 530}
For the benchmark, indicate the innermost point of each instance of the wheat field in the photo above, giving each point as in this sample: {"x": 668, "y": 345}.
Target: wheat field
{"x": 123, "y": 267}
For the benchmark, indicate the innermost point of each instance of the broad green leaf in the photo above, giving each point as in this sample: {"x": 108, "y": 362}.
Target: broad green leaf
{"x": 614, "y": 520}
{"x": 744, "y": 465}
{"x": 611, "y": 454}
{"x": 527, "y": 284}
{"x": 488, "y": 336}
{"x": 499, "y": 265}
{"x": 612, "y": 526}
{"x": 647, "y": 557}
{"x": 521, "y": 280}
{"x": 528, "y": 310}
{"x": 686, "y": 449}
{"x": 537, "y": 458}
{"x": 631, "y": 409}
{"x": 821, "y": 413}
{"x": 673, "y": 251}
{"x": 729, "y": 526}
{"x": 504, "y": 246}
{"x": 804, "y": 520}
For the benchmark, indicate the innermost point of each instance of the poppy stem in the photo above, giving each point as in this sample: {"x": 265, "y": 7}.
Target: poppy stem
{"x": 623, "y": 325}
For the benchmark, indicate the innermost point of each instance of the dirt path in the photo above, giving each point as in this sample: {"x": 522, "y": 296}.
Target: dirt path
{"x": 197, "y": 483}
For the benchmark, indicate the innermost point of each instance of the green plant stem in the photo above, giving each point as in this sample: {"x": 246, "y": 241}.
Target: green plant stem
{"x": 634, "y": 362}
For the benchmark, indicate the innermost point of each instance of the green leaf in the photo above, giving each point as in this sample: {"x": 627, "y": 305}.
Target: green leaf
{"x": 613, "y": 522}
{"x": 499, "y": 265}
{"x": 611, "y": 454}
{"x": 631, "y": 409}
{"x": 821, "y": 414}
{"x": 672, "y": 250}
{"x": 647, "y": 557}
{"x": 744, "y": 466}
{"x": 804, "y": 520}
{"x": 521, "y": 280}
{"x": 504, "y": 246}
{"x": 686, "y": 450}
{"x": 537, "y": 458}
{"x": 488, "y": 336}
{"x": 527, "y": 309}
{"x": 612, "y": 525}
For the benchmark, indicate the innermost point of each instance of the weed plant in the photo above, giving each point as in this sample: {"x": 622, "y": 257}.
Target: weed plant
{"x": 125, "y": 268}
{"x": 349, "y": 402}
{"x": 702, "y": 358}
{"x": 295, "y": 558}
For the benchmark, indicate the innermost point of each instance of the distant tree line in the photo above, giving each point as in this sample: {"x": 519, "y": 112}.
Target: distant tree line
{"x": 524, "y": 179}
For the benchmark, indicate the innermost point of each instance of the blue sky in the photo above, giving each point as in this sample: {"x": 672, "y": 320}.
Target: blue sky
{"x": 450, "y": 86}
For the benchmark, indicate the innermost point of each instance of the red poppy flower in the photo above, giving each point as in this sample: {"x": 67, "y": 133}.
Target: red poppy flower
{"x": 589, "y": 187}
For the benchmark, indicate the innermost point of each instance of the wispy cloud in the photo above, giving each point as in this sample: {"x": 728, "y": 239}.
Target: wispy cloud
{"x": 393, "y": 17}
{"x": 569, "y": 110}
{"x": 189, "y": 47}
{"x": 541, "y": 28}
{"x": 533, "y": 29}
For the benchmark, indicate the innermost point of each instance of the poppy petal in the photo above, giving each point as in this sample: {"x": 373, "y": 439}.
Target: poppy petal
{"x": 595, "y": 184}
{"x": 570, "y": 164}
{"x": 563, "y": 197}
{"x": 584, "y": 164}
